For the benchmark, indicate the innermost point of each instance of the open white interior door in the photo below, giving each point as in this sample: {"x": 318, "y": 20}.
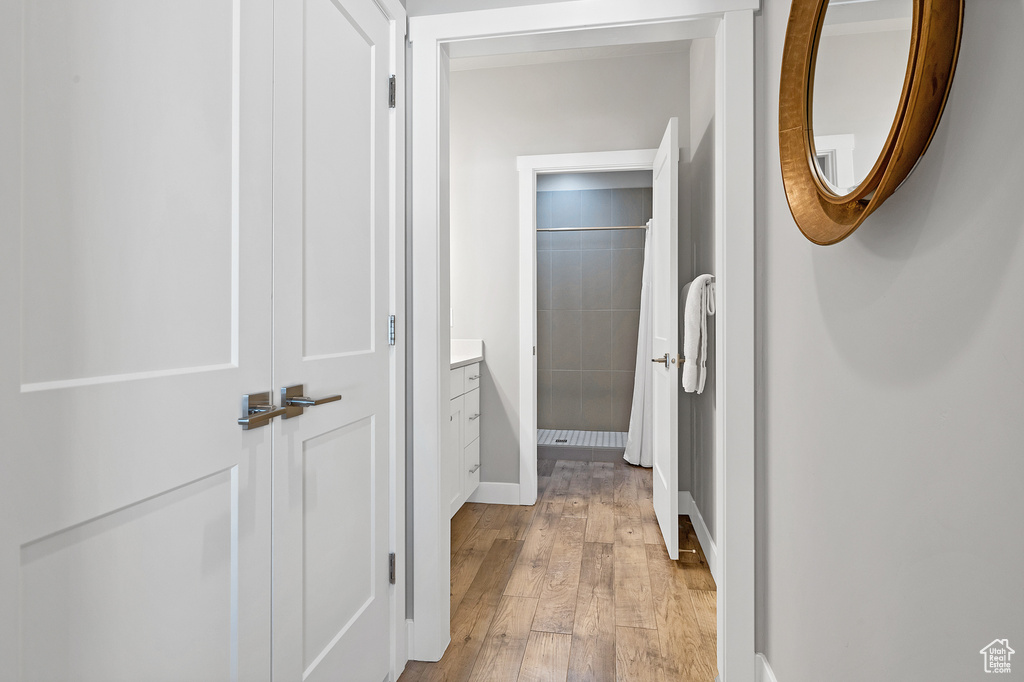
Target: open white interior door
{"x": 665, "y": 311}
{"x": 331, "y": 286}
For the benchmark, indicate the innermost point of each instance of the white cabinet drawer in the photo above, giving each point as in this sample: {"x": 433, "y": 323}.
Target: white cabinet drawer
{"x": 471, "y": 459}
{"x": 472, "y": 377}
{"x": 457, "y": 382}
{"x": 454, "y": 471}
{"x": 471, "y": 414}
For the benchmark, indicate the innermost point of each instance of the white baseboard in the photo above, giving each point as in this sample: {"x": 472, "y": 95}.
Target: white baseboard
{"x": 688, "y": 507}
{"x": 762, "y": 671}
{"x": 496, "y": 493}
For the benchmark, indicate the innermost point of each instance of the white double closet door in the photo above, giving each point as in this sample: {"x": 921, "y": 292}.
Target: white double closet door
{"x": 193, "y": 207}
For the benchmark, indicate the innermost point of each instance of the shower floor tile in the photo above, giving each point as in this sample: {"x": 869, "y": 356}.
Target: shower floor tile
{"x": 582, "y": 439}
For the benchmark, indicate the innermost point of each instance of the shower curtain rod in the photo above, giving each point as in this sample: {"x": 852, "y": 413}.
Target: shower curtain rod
{"x": 577, "y": 229}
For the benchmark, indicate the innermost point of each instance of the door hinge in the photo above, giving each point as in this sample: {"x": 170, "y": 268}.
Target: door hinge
{"x": 391, "y": 568}
{"x": 391, "y": 330}
{"x": 392, "y": 87}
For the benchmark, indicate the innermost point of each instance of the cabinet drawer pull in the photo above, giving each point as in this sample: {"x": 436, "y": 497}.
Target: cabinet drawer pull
{"x": 475, "y": 416}
{"x": 473, "y": 470}
{"x": 474, "y": 377}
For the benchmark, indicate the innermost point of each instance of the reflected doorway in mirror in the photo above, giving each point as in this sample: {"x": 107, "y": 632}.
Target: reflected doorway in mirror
{"x": 834, "y": 154}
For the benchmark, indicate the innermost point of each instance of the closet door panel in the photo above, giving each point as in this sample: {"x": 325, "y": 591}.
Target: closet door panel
{"x": 331, "y": 287}
{"x": 137, "y": 233}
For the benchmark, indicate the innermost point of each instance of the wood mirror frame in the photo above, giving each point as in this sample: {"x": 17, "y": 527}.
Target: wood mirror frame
{"x": 823, "y": 216}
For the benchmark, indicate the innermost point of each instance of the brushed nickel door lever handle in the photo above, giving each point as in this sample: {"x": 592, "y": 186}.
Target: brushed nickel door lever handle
{"x": 257, "y": 410}
{"x": 295, "y": 402}
{"x": 312, "y": 402}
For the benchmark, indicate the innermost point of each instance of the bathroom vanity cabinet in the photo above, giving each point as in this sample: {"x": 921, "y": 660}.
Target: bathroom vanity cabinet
{"x": 462, "y": 459}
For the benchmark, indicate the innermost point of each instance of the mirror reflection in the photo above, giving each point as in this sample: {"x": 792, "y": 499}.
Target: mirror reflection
{"x": 858, "y": 79}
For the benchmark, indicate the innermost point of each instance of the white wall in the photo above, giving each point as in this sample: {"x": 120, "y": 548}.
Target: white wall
{"x": 702, "y": 88}
{"x": 891, "y": 451}
{"x": 497, "y": 115}
{"x": 697, "y": 257}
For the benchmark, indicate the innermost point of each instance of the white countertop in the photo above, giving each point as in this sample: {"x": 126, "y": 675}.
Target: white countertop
{"x": 466, "y": 352}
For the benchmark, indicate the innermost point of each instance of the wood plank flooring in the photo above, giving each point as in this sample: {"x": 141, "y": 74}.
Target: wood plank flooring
{"x": 576, "y": 588}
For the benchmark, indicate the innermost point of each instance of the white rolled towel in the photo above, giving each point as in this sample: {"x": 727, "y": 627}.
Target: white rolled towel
{"x": 699, "y": 298}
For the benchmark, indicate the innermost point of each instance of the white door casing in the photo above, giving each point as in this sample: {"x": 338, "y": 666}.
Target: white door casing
{"x": 135, "y": 214}
{"x": 731, "y": 23}
{"x": 331, "y": 296}
{"x": 664, "y": 334}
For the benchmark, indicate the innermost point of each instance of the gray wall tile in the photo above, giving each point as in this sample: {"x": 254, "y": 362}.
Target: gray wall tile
{"x": 629, "y": 239}
{"x": 627, "y": 206}
{"x": 588, "y": 297}
{"x": 566, "y": 208}
{"x": 544, "y": 339}
{"x": 565, "y": 280}
{"x": 566, "y": 335}
{"x": 625, "y": 325}
{"x": 597, "y": 340}
{"x": 596, "y": 208}
{"x": 543, "y": 241}
{"x": 566, "y": 452}
{"x": 608, "y": 454}
{"x": 597, "y": 400}
{"x": 565, "y": 241}
{"x": 627, "y": 274}
{"x": 566, "y": 399}
{"x": 622, "y": 400}
{"x": 647, "y": 210}
{"x": 544, "y": 209}
{"x": 596, "y": 239}
{"x": 544, "y": 280}
{"x": 596, "y": 280}
{"x": 579, "y": 454}
{"x": 544, "y": 413}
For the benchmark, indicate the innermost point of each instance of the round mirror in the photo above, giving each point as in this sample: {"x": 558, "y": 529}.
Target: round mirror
{"x": 862, "y": 90}
{"x": 863, "y": 43}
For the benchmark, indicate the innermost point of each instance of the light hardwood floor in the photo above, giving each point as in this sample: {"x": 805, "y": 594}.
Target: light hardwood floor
{"x": 576, "y": 588}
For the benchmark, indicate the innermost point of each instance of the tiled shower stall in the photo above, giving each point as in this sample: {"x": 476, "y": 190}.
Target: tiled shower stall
{"x": 588, "y": 314}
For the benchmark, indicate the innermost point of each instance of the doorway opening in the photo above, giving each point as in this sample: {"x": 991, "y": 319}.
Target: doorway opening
{"x": 552, "y": 307}
{"x": 559, "y": 25}
{"x": 591, "y": 234}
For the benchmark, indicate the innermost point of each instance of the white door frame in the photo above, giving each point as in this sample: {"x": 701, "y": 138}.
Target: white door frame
{"x": 394, "y": 10}
{"x": 429, "y": 630}
{"x": 529, "y": 168}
